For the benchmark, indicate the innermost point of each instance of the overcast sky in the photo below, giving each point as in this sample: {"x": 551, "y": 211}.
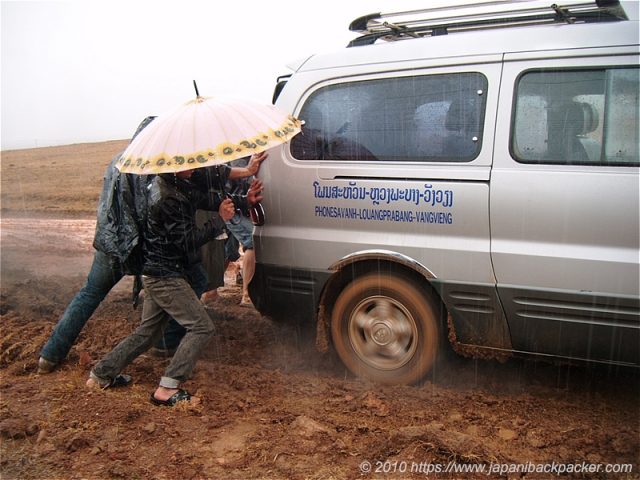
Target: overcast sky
{"x": 87, "y": 70}
{"x": 79, "y": 71}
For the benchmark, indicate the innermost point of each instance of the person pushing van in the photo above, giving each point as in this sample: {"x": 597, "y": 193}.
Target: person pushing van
{"x": 171, "y": 238}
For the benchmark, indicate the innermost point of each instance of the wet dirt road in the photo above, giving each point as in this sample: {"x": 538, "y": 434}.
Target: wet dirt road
{"x": 273, "y": 407}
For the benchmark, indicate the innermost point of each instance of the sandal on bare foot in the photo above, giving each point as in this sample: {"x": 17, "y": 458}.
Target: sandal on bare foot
{"x": 179, "y": 396}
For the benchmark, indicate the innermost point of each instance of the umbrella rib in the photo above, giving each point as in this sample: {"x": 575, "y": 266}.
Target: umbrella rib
{"x": 221, "y": 125}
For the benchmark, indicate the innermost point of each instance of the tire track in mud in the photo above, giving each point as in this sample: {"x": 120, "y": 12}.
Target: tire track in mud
{"x": 70, "y": 234}
{"x": 45, "y": 246}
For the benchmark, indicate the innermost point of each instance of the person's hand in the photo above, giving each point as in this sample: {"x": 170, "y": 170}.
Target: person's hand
{"x": 227, "y": 210}
{"x": 254, "y": 194}
{"x": 255, "y": 161}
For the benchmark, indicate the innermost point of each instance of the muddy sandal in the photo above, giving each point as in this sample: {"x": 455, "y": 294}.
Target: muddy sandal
{"x": 121, "y": 380}
{"x": 179, "y": 396}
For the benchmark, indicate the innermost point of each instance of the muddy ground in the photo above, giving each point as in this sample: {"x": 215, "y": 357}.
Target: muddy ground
{"x": 271, "y": 406}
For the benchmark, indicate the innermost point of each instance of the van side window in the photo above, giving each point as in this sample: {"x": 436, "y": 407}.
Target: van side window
{"x": 581, "y": 117}
{"x": 435, "y": 118}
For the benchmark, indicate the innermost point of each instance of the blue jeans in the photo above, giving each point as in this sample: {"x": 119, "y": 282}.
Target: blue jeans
{"x": 243, "y": 231}
{"x": 103, "y": 276}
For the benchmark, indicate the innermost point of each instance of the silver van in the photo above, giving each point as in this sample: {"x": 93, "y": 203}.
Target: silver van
{"x": 463, "y": 175}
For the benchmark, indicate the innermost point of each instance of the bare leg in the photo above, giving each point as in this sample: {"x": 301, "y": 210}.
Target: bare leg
{"x": 248, "y": 269}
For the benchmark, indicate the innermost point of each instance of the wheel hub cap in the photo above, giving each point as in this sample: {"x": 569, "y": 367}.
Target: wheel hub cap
{"x": 383, "y": 333}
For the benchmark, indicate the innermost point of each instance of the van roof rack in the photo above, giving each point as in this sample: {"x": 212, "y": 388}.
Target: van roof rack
{"x": 485, "y": 15}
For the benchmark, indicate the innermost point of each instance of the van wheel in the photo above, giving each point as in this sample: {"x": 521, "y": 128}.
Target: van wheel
{"x": 384, "y": 328}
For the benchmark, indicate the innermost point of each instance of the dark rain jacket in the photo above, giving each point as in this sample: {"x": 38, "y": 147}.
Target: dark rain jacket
{"x": 120, "y": 219}
{"x": 171, "y": 239}
{"x": 121, "y": 214}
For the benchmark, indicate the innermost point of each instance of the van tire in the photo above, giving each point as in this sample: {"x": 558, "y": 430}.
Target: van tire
{"x": 385, "y": 328}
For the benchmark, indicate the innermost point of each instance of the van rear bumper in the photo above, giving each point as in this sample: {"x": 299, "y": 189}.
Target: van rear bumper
{"x": 284, "y": 293}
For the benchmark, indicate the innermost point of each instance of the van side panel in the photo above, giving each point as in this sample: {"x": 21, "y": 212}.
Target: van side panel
{"x": 565, "y": 236}
{"x": 450, "y": 240}
{"x": 574, "y": 325}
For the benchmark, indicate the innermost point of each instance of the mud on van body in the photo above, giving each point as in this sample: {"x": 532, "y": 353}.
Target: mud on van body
{"x": 475, "y": 184}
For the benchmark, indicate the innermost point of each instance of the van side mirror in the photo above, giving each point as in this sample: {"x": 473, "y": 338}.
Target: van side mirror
{"x": 281, "y": 82}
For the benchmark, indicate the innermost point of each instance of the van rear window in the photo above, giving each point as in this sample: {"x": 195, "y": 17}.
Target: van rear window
{"x": 434, "y": 118}
{"x": 577, "y": 117}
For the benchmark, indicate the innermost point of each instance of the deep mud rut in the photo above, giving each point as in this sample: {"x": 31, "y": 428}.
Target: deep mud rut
{"x": 271, "y": 405}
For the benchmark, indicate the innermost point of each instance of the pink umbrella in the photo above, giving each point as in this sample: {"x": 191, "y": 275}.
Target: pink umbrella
{"x": 204, "y": 132}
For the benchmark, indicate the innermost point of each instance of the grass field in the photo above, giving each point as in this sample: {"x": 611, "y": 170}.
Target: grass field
{"x": 55, "y": 180}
